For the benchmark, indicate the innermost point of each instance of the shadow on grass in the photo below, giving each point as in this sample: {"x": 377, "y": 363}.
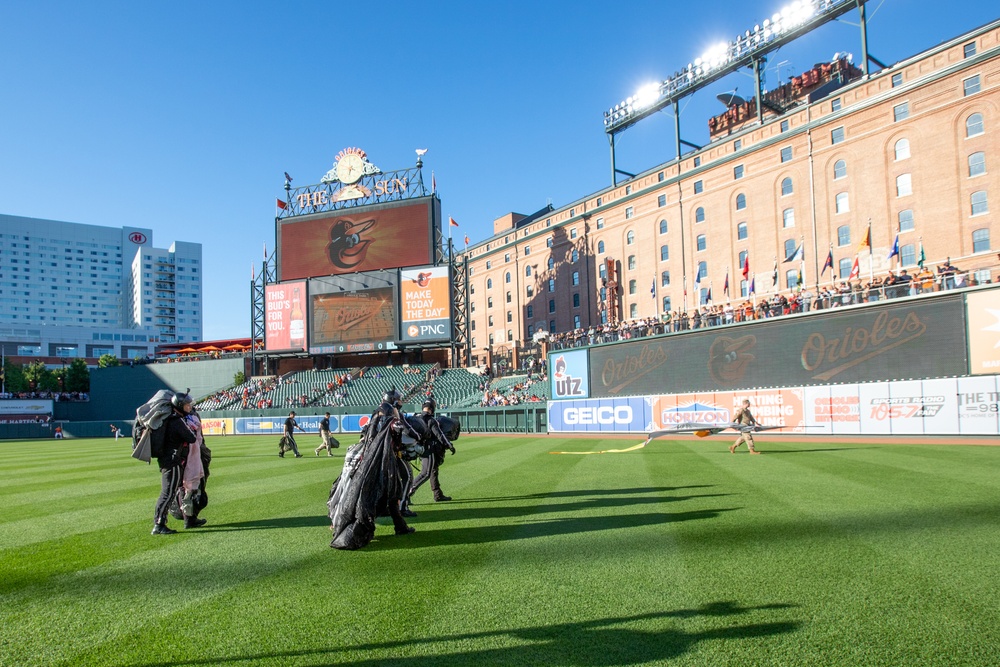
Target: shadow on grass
{"x": 528, "y": 529}
{"x": 582, "y": 492}
{"x": 622, "y": 640}
{"x": 265, "y": 524}
{"x": 806, "y": 451}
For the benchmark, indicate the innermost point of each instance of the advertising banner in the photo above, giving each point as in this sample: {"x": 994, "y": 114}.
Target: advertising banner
{"x": 570, "y": 375}
{"x": 941, "y": 410}
{"x": 285, "y": 309}
{"x": 871, "y": 344}
{"x": 276, "y": 425}
{"x": 425, "y": 304}
{"x": 351, "y": 240}
{"x": 978, "y": 405}
{"x": 217, "y": 426}
{"x": 984, "y": 331}
{"x": 833, "y": 409}
{"x": 29, "y": 406}
{"x": 618, "y": 415}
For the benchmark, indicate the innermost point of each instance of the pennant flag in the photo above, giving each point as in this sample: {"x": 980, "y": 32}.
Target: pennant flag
{"x": 828, "y": 264}
{"x": 855, "y": 270}
{"x": 697, "y": 278}
{"x": 725, "y": 286}
{"x": 746, "y": 266}
{"x": 799, "y": 280}
{"x": 923, "y": 258}
{"x": 451, "y": 221}
{"x": 866, "y": 242}
{"x": 281, "y": 204}
{"x": 265, "y": 251}
{"x": 466, "y": 239}
{"x": 708, "y": 297}
{"x": 287, "y": 177}
{"x": 753, "y": 288}
{"x": 434, "y": 182}
{"x": 798, "y": 255}
{"x": 895, "y": 248}
{"x": 774, "y": 275}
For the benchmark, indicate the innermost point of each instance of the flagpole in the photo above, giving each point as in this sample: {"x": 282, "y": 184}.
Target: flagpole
{"x": 871, "y": 253}
{"x": 802, "y": 260}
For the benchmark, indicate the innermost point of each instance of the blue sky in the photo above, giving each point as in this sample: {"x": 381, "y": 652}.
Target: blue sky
{"x": 182, "y": 116}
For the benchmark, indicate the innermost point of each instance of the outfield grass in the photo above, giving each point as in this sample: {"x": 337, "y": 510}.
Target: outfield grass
{"x": 680, "y": 553}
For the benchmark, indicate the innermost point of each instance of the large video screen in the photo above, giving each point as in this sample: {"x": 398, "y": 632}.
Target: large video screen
{"x": 285, "y": 310}
{"x": 425, "y": 304}
{"x": 355, "y": 313}
{"x": 351, "y": 240}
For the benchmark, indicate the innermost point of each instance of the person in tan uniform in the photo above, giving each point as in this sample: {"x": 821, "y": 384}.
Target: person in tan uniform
{"x": 745, "y": 419}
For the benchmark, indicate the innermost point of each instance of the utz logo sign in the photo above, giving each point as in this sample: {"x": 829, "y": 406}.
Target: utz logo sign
{"x": 570, "y": 373}
{"x": 697, "y": 413}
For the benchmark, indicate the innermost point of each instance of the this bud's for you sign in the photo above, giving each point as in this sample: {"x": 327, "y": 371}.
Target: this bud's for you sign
{"x": 285, "y": 308}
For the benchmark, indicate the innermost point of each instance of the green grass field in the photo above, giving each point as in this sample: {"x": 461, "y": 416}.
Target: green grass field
{"x": 679, "y": 553}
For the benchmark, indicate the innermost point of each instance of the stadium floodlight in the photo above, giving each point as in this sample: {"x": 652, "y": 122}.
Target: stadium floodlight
{"x": 792, "y": 21}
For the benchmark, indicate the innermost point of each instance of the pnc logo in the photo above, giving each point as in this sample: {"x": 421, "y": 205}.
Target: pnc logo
{"x": 137, "y": 237}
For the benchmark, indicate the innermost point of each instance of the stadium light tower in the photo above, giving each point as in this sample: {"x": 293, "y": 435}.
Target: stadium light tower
{"x": 749, "y": 49}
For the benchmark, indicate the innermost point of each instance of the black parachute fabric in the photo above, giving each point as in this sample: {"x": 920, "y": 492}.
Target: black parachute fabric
{"x": 372, "y": 478}
{"x": 450, "y": 427}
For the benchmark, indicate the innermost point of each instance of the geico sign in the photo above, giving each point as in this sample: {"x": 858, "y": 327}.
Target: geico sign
{"x": 599, "y": 415}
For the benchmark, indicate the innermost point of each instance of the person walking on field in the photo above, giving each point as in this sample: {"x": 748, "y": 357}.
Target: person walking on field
{"x": 290, "y": 426}
{"x": 329, "y": 442}
{"x": 746, "y": 421}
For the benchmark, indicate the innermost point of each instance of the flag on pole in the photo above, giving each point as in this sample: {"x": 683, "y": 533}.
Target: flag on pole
{"x": 828, "y": 264}
{"x": 708, "y": 297}
{"x": 466, "y": 240}
{"x": 451, "y": 221}
{"x": 265, "y": 251}
{"x": 725, "y": 286}
{"x": 434, "y": 183}
{"x": 746, "y": 266}
{"x": 855, "y": 270}
{"x": 753, "y": 288}
{"x": 697, "y": 279}
{"x": 866, "y": 242}
{"x": 797, "y": 255}
{"x": 774, "y": 274}
{"x": 923, "y": 258}
{"x": 281, "y": 204}
{"x": 895, "y": 248}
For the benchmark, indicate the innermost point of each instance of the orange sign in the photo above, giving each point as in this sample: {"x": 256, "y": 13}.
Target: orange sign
{"x": 425, "y": 303}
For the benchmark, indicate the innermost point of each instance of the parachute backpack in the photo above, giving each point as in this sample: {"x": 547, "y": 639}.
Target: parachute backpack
{"x": 147, "y": 435}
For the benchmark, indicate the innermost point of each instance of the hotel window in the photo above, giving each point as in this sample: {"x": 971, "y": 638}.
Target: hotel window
{"x": 843, "y": 235}
{"x": 904, "y": 185}
{"x": 666, "y": 304}
{"x": 633, "y": 311}
{"x": 489, "y": 283}
{"x": 552, "y": 284}
{"x": 572, "y": 233}
{"x": 901, "y": 150}
{"x": 628, "y": 189}
{"x": 527, "y": 248}
{"x": 552, "y": 263}
{"x": 574, "y": 256}
{"x": 788, "y": 218}
{"x": 791, "y": 278}
{"x": 784, "y": 126}
{"x": 489, "y": 302}
{"x": 741, "y": 231}
{"x": 530, "y": 312}
{"x": 600, "y": 223}
{"x": 508, "y": 297}
{"x": 738, "y": 144}
{"x": 981, "y": 240}
{"x": 659, "y": 177}
{"x": 552, "y": 305}
{"x": 842, "y": 203}
{"x": 971, "y": 86}
{"x": 697, "y": 162}
{"x": 631, "y": 286}
{"x": 901, "y": 112}
{"x": 839, "y": 169}
{"x": 980, "y": 204}
{"x": 548, "y": 242}
{"x": 908, "y": 255}
{"x": 845, "y": 268}
{"x": 837, "y": 135}
{"x": 506, "y": 258}
{"x": 576, "y": 278}
{"x": 510, "y": 316}
{"x": 576, "y": 303}
{"x": 506, "y": 277}
{"x": 789, "y": 247}
{"x": 489, "y": 264}
{"x": 905, "y": 218}
{"x": 527, "y": 271}
{"x": 977, "y": 164}
{"x": 786, "y": 187}
{"x": 974, "y": 125}
{"x": 530, "y": 291}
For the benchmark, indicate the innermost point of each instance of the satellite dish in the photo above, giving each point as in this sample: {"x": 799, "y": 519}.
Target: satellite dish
{"x": 730, "y": 98}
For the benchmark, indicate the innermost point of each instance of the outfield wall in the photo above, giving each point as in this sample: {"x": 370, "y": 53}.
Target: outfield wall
{"x": 947, "y": 406}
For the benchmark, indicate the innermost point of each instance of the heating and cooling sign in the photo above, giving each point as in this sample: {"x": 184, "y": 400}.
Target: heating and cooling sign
{"x": 425, "y": 304}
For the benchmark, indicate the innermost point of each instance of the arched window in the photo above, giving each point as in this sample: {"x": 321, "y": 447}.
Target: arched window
{"x": 508, "y": 296}
{"x": 904, "y": 185}
{"x": 489, "y": 302}
{"x": 575, "y": 278}
{"x": 741, "y": 231}
{"x": 702, "y": 270}
{"x": 600, "y": 247}
{"x": 980, "y": 204}
{"x": 845, "y": 268}
{"x": 701, "y": 242}
{"x": 977, "y": 164}
{"x": 510, "y": 316}
{"x": 788, "y": 218}
{"x": 906, "y": 220}
{"x": 552, "y": 263}
{"x": 631, "y": 262}
{"x": 789, "y": 247}
{"x": 663, "y": 226}
{"x": 843, "y": 235}
{"x": 552, "y": 284}
{"x": 786, "y": 187}
{"x": 602, "y": 270}
{"x": 839, "y": 169}
{"x": 843, "y": 205}
{"x": 630, "y": 238}
{"x": 981, "y": 240}
{"x": 664, "y": 253}
{"x": 908, "y": 255}
{"x": 699, "y": 214}
{"x": 489, "y": 283}
{"x": 573, "y": 256}
{"x": 631, "y": 286}
{"x": 743, "y": 260}
{"x": 506, "y": 277}
{"x": 902, "y": 149}
{"x": 527, "y": 271}
{"x": 974, "y": 125}
{"x": 741, "y": 201}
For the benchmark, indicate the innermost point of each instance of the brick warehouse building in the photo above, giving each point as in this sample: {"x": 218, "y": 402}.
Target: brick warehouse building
{"x": 913, "y": 148}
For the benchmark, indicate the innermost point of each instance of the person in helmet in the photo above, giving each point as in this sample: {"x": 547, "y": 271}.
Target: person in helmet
{"x": 435, "y": 444}
{"x": 177, "y": 437}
